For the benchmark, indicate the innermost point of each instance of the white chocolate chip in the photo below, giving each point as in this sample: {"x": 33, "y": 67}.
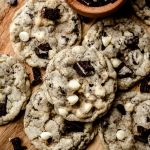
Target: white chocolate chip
{"x": 115, "y": 62}
{"x": 106, "y": 40}
{"x": 62, "y": 111}
{"x": 87, "y": 107}
{"x": 129, "y": 107}
{"x": 121, "y": 135}
{"x": 73, "y": 99}
{"x": 46, "y": 135}
{"x": 100, "y": 91}
{"x": 24, "y": 36}
{"x": 74, "y": 85}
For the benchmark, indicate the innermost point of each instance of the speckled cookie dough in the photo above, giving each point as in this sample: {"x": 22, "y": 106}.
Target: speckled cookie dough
{"x": 81, "y": 83}
{"x": 127, "y": 125}
{"x": 126, "y": 43}
{"x": 49, "y": 131}
{"x": 42, "y": 28}
{"x": 14, "y": 88}
{"x": 142, "y": 9}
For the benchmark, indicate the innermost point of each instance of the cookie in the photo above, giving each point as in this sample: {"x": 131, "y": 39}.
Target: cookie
{"x": 142, "y": 9}
{"x": 42, "y": 28}
{"x": 14, "y": 88}
{"x": 81, "y": 83}
{"x": 126, "y": 43}
{"x": 49, "y": 131}
{"x": 127, "y": 125}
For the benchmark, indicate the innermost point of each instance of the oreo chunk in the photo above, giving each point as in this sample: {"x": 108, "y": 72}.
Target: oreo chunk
{"x": 42, "y": 50}
{"x": 73, "y": 126}
{"x": 147, "y": 3}
{"x": 37, "y": 76}
{"x": 50, "y": 13}
{"x": 12, "y": 2}
{"x": 3, "y": 109}
{"x": 124, "y": 72}
{"x": 143, "y": 134}
{"x": 132, "y": 42}
{"x": 144, "y": 86}
{"x": 84, "y": 68}
{"x": 121, "y": 109}
{"x": 16, "y": 142}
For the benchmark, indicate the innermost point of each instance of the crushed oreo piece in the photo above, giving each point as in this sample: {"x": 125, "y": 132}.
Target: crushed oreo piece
{"x": 144, "y": 86}
{"x": 12, "y": 2}
{"x": 73, "y": 126}
{"x": 121, "y": 109}
{"x": 3, "y": 109}
{"x": 143, "y": 134}
{"x": 140, "y": 139}
{"x": 42, "y": 51}
{"x": 96, "y": 3}
{"x": 84, "y": 68}
{"x": 124, "y": 72}
{"x": 50, "y": 13}
{"x": 37, "y": 76}
{"x": 132, "y": 42}
{"x": 16, "y": 142}
{"x": 147, "y": 3}
{"x": 104, "y": 123}
{"x": 49, "y": 140}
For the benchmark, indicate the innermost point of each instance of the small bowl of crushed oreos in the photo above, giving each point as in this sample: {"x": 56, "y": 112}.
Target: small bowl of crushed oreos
{"x": 95, "y": 8}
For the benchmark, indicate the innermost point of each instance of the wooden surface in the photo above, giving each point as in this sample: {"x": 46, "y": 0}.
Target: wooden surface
{"x": 15, "y": 129}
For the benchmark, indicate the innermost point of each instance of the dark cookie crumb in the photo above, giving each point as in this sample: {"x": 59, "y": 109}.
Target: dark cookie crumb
{"x": 2, "y": 109}
{"x": 73, "y": 126}
{"x": 144, "y": 86}
{"x": 16, "y": 142}
{"x": 121, "y": 109}
{"x": 42, "y": 51}
{"x": 12, "y": 2}
{"x": 51, "y": 14}
{"x": 37, "y": 76}
{"x": 84, "y": 68}
{"x": 96, "y": 3}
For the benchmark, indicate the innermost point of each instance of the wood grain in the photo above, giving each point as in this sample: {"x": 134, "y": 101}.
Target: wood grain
{"x": 15, "y": 128}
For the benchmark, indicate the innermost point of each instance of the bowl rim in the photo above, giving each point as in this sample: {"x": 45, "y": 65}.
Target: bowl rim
{"x": 95, "y": 10}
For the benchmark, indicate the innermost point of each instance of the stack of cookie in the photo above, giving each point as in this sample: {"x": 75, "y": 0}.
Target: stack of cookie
{"x": 83, "y": 91}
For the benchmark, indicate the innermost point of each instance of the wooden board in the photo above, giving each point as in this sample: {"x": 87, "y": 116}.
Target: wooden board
{"x": 15, "y": 129}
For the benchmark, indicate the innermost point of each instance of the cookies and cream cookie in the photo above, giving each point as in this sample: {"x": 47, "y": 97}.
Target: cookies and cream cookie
{"x": 49, "y": 131}
{"x": 127, "y": 125}
{"x": 126, "y": 43}
{"x": 14, "y": 88}
{"x": 42, "y": 28}
{"x": 81, "y": 83}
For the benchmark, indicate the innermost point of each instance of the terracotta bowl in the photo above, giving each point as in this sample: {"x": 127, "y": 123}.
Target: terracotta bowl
{"x": 95, "y": 12}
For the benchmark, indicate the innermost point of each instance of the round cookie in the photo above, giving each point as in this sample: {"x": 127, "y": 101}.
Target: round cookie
{"x": 81, "y": 83}
{"x": 126, "y": 43}
{"x": 127, "y": 125}
{"x": 42, "y": 28}
{"x": 14, "y": 88}
{"x": 50, "y": 131}
{"x": 142, "y": 9}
